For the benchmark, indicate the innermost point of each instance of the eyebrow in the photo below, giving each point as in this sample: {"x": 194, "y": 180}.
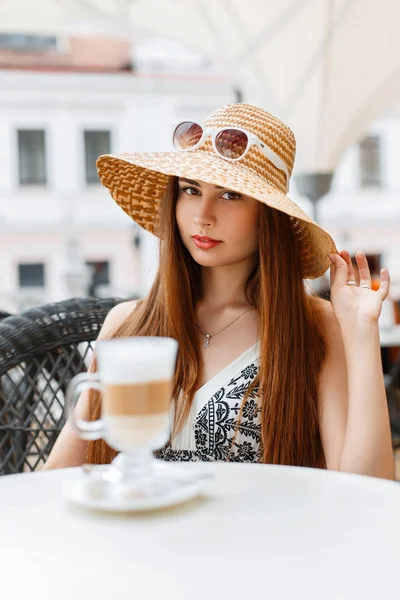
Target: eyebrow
{"x": 192, "y": 182}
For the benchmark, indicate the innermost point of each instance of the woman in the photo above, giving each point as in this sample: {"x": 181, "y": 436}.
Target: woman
{"x": 266, "y": 372}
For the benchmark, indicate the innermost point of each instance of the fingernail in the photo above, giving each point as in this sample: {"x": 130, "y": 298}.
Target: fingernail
{"x": 332, "y": 258}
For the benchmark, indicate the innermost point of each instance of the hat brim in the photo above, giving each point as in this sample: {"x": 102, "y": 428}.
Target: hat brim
{"x": 138, "y": 182}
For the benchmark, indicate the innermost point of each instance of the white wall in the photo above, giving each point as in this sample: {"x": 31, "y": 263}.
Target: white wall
{"x": 35, "y": 221}
{"x": 366, "y": 218}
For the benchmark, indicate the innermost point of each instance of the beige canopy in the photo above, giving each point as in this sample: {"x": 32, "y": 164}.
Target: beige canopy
{"x": 326, "y": 67}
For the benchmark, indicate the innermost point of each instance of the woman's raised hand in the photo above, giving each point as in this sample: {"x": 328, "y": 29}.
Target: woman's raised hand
{"x": 354, "y": 304}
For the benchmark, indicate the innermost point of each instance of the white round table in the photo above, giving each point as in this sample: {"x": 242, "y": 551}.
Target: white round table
{"x": 260, "y": 532}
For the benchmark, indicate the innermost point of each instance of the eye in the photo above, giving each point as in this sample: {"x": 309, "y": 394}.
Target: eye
{"x": 231, "y": 196}
{"x": 190, "y": 191}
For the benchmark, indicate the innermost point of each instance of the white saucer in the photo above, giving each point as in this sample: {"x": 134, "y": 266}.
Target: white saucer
{"x": 93, "y": 491}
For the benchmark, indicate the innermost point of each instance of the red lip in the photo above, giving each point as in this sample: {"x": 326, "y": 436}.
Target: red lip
{"x": 204, "y": 242}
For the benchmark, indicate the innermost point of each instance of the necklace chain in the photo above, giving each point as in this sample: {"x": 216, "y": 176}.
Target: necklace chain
{"x": 208, "y": 336}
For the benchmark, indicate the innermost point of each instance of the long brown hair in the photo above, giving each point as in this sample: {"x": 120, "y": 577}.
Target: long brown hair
{"x": 292, "y": 343}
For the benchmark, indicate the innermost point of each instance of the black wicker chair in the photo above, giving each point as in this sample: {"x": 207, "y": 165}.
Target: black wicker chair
{"x": 40, "y": 351}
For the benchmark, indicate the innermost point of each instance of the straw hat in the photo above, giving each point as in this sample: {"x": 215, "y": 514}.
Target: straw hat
{"x": 138, "y": 181}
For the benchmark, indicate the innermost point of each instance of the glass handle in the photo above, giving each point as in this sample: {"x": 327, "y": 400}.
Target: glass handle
{"x": 87, "y": 430}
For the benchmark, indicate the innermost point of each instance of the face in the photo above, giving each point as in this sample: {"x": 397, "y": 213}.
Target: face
{"x": 218, "y": 226}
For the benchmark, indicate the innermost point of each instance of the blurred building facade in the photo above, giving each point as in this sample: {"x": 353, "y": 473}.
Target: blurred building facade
{"x": 362, "y": 211}
{"x": 66, "y": 101}
{"x": 62, "y": 104}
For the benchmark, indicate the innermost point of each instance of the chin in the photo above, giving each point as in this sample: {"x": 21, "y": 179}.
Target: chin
{"x": 203, "y": 262}
{"x": 205, "y": 259}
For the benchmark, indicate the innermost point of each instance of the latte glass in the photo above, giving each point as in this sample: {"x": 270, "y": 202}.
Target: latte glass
{"x": 134, "y": 378}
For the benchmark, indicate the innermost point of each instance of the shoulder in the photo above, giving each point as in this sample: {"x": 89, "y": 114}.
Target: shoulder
{"x": 334, "y": 365}
{"x": 116, "y": 317}
{"x": 329, "y": 323}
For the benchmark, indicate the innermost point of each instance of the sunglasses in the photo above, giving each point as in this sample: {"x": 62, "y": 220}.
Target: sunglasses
{"x": 231, "y": 143}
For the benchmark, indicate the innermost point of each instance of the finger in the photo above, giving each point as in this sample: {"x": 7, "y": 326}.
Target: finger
{"x": 363, "y": 267}
{"x": 384, "y": 284}
{"x": 340, "y": 271}
{"x": 346, "y": 256}
{"x": 332, "y": 270}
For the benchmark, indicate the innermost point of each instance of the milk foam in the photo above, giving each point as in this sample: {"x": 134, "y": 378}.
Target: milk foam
{"x": 136, "y": 359}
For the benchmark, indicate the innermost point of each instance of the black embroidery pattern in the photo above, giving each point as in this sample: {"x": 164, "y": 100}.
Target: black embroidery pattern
{"x": 216, "y": 423}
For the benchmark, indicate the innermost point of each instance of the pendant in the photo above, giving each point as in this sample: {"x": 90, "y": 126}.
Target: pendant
{"x": 206, "y": 345}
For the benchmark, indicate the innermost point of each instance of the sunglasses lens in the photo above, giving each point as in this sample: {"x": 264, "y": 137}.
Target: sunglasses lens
{"x": 187, "y": 135}
{"x": 231, "y": 143}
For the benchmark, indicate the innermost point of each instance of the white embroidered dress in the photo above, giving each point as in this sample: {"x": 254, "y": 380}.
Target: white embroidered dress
{"x": 209, "y": 432}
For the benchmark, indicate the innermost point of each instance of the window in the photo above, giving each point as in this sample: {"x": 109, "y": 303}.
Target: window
{"x": 32, "y": 157}
{"x": 27, "y": 43}
{"x": 100, "y": 275}
{"x": 96, "y": 144}
{"x": 31, "y": 275}
{"x": 370, "y": 161}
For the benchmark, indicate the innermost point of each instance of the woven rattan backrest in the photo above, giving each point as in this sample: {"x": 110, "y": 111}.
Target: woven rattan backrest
{"x": 40, "y": 351}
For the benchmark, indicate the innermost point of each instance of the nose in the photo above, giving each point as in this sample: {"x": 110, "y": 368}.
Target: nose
{"x": 205, "y": 216}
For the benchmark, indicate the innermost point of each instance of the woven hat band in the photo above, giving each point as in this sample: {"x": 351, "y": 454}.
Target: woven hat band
{"x": 231, "y": 143}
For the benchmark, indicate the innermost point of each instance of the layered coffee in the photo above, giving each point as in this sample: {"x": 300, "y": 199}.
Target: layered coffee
{"x": 134, "y": 399}
{"x": 136, "y": 376}
{"x": 136, "y": 414}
